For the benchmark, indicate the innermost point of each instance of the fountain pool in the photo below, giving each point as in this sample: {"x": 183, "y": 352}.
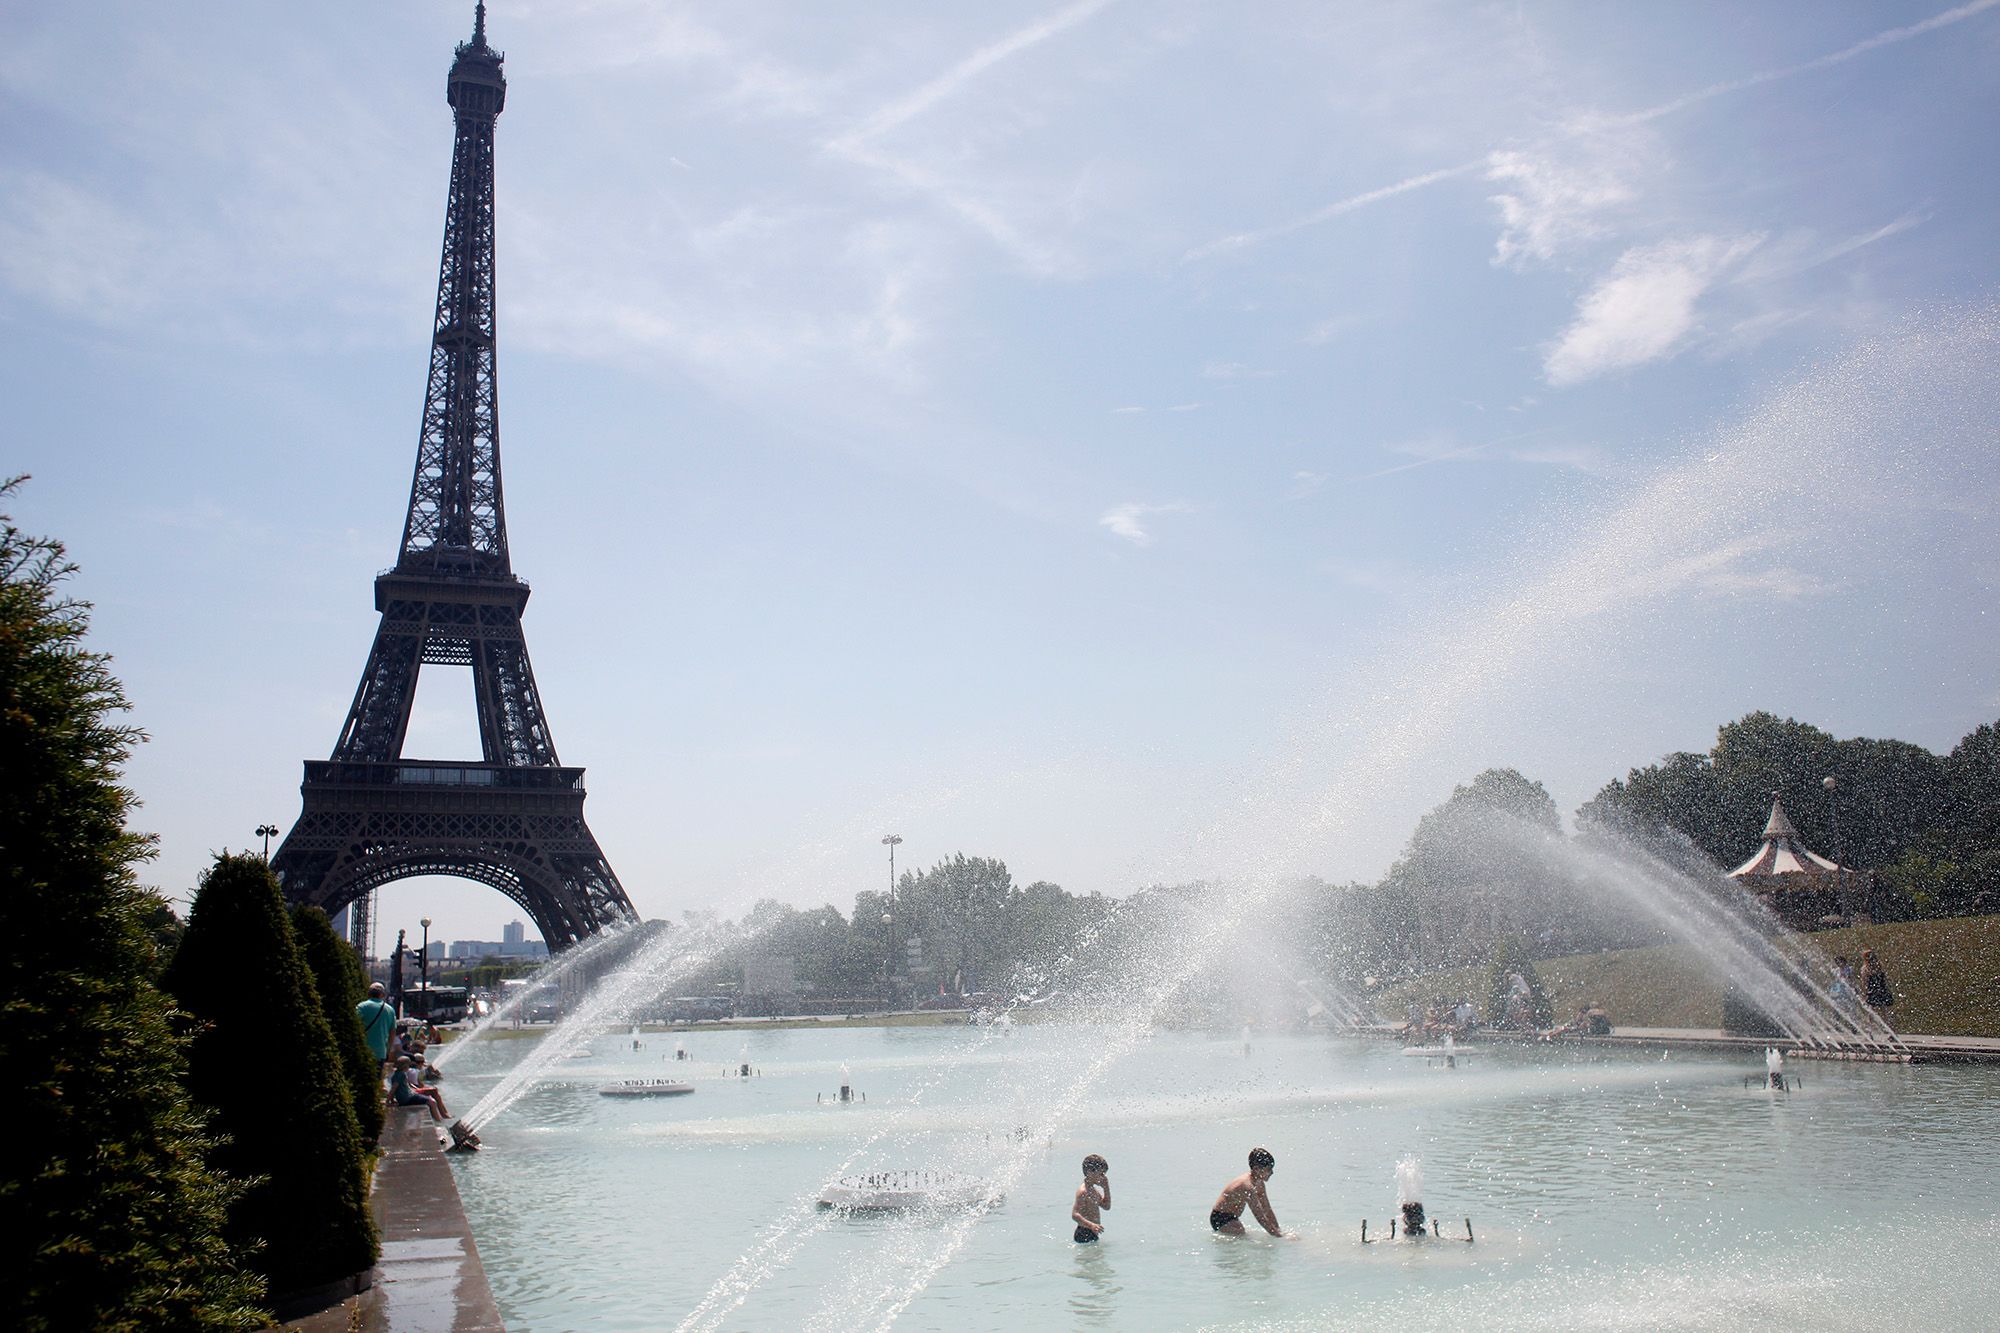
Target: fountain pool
{"x": 1607, "y": 1188}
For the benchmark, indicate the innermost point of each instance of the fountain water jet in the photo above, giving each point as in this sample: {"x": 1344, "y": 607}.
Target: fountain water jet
{"x": 655, "y": 965}
{"x": 545, "y": 980}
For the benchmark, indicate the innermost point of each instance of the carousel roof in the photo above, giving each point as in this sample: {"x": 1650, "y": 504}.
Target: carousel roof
{"x": 1782, "y": 853}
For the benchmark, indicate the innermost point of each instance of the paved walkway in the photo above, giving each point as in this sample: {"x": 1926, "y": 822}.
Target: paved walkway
{"x": 429, "y": 1279}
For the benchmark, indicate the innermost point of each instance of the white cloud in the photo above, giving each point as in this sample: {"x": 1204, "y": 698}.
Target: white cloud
{"x": 1234, "y": 370}
{"x": 1578, "y": 457}
{"x": 938, "y": 89}
{"x": 1305, "y": 483}
{"x": 1590, "y": 125}
{"x": 1328, "y": 329}
{"x": 1549, "y": 204}
{"x": 1126, "y": 520}
{"x": 1126, "y": 411}
{"x": 1391, "y": 577}
{"x": 1644, "y": 309}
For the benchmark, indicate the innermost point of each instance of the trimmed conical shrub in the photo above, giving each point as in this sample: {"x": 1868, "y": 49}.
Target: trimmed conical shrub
{"x": 110, "y": 1216}
{"x": 342, "y": 985}
{"x": 263, "y": 1057}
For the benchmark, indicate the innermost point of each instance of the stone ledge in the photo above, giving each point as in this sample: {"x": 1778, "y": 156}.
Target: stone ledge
{"x": 429, "y": 1279}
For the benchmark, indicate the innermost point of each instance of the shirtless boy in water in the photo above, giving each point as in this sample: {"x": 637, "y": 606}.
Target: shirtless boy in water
{"x": 1227, "y": 1214}
{"x": 1093, "y": 1194}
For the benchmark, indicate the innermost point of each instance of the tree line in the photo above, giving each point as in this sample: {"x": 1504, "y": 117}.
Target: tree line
{"x": 961, "y": 927}
{"x": 1478, "y": 867}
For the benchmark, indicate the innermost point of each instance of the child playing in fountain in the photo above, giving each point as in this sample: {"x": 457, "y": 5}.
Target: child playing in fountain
{"x": 1093, "y": 1194}
{"x": 1247, "y": 1190}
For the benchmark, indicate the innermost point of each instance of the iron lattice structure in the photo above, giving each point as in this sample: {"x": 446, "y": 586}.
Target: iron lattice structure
{"x": 514, "y": 820}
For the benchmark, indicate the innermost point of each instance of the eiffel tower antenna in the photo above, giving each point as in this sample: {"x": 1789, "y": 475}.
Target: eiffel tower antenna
{"x": 514, "y": 819}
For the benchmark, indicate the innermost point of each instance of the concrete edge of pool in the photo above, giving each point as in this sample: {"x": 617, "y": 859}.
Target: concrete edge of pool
{"x": 429, "y": 1278}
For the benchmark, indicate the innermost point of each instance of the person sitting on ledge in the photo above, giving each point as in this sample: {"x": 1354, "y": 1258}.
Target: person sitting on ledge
{"x": 404, "y": 1090}
{"x": 1576, "y": 1027}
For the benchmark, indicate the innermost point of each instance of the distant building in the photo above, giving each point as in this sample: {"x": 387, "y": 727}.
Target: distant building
{"x": 514, "y": 933}
{"x": 1805, "y": 890}
{"x": 512, "y": 947}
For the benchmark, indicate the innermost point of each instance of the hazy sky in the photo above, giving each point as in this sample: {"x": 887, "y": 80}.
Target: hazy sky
{"x": 1137, "y": 441}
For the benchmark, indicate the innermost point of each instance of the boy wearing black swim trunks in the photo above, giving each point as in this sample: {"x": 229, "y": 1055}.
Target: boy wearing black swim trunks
{"x": 1247, "y": 1189}
{"x": 1093, "y": 1194}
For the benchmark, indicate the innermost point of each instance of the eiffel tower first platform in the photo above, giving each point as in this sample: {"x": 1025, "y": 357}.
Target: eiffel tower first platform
{"x": 513, "y": 821}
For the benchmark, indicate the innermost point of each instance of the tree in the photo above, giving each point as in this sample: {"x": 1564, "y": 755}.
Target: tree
{"x": 112, "y": 1217}
{"x": 1471, "y": 870}
{"x": 263, "y": 1056}
{"x": 1885, "y": 795}
{"x": 342, "y": 985}
{"x": 959, "y": 908}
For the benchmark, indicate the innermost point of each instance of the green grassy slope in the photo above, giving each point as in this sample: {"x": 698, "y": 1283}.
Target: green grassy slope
{"x": 1946, "y": 976}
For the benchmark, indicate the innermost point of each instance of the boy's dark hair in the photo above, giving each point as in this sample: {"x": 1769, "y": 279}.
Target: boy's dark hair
{"x": 1095, "y": 1163}
{"x": 1261, "y": 1157}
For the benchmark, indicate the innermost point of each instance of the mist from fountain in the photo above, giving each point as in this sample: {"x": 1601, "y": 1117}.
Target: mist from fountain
{"x": 1792, "y": 467}
{"x": 1725, "y": 927}
{"x": 1409, "y": 1181}
{"x": 545, "y": 980}
{"x": 654, "y": 967}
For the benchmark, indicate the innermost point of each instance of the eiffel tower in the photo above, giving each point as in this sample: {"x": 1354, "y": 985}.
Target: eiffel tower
{"x": 515, "y": 820}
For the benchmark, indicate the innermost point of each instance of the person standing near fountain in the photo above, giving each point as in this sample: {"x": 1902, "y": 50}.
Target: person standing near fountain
{"x": 378, "y": 1020}
{"x": 1247, "y": 1189}
{"x": 1875, "y": 991}
{"x": 1093, "y": 1194}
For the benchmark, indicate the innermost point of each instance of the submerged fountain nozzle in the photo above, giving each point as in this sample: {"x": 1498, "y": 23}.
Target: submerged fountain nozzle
{"x": 1413, "y": 1219}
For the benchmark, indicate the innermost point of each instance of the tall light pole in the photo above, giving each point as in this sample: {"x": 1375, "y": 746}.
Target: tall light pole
{"x": 267, "y": 832}
{"x": 890, "y": 840}
{"x": 424, "y": 969}
{"x": 1833, "y": 804}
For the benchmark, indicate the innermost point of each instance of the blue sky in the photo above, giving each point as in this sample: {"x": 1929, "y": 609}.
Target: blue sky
{"x": 1136, "y": 441}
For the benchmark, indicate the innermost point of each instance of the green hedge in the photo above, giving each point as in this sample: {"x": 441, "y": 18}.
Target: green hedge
{"x": 342, "y": 985}
{"x": 263, "y": 1056}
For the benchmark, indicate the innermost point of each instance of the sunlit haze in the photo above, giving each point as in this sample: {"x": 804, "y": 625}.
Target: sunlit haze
{"x": 1031, "y": 429}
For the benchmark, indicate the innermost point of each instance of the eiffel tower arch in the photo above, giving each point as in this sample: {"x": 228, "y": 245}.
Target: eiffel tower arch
{"x": 513, "y": 820}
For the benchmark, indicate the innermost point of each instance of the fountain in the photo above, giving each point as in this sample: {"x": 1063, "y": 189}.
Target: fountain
{"x": 1774, "y": 1077}
{"x": 846, "y": 1094}
{"x": 547, "y": 980}
{"x": 907, "y": 1191}
{"x": 652, "y": 967}
{"x": 1409, "y": 1197}
{"x": 1557, "y": 1133}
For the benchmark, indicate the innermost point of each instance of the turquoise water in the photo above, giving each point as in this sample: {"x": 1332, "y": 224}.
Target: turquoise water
{"x": 1607, "y": 1190}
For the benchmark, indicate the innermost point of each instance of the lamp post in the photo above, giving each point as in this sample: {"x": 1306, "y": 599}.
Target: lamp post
{"x": 1833, "y": 804}
{"x": 424, "y": 968}
{"x": 267, "y": 832}
{"x": 890, "y": 840}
